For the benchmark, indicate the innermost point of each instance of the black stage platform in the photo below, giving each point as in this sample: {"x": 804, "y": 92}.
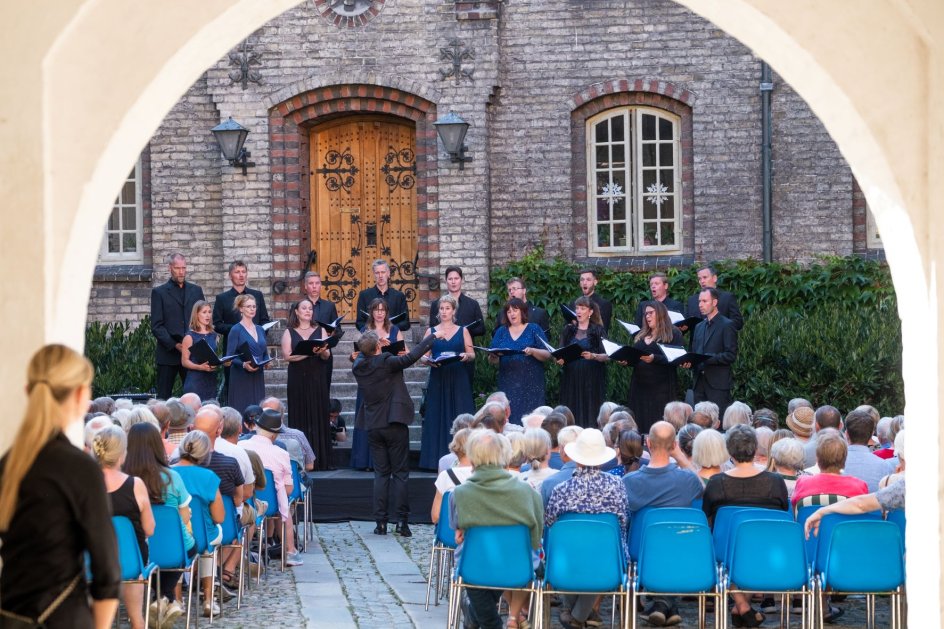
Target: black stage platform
{"x": 346, "y": 494}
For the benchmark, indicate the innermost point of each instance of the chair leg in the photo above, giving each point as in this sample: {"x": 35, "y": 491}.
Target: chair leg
{"x": 429, "y": 578}
{"x": 190, "y": 591}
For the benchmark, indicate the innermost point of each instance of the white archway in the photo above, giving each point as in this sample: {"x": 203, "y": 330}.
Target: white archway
{"x": 74, "y": 114}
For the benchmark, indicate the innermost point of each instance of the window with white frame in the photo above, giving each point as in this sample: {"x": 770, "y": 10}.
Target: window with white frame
{"x": 633, "y": 182}
{"x": 873, "y": 238}
{"x": 122, "y": 241}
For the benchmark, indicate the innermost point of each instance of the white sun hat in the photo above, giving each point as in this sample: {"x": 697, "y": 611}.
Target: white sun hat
{"x": 590, "y": 449}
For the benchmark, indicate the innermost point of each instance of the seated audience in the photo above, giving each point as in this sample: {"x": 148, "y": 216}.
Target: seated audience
{"x": 830, "y": 484}
{"x": 567, "y": 435}
{"x": 567, "y": 413}
{"x": 786, "y": 460}
{"x": 301, "y": 453}
{"x": 764, "y": 437}
{"x": 800, "y": 422}
{"x": 463, "y": 420}
{"x": 737, "y": 414}
{"x": 553, "y": 424}
{"x": 860, "y": 462}
{"x": 603, "y": 417}
{"x": 686, "y": 437}
{"x": 706, "y": 415}
{"x": 455, "y": 474}
{"x": 536, "y": 446}
{"x": 677, "y": 414}
{"x": 766, "y": 418}
{"x": 709, "y": 454}
{"x": 629, "y": 453}
{"x": 824, "y": 417}
{"x": 900, "y": 456}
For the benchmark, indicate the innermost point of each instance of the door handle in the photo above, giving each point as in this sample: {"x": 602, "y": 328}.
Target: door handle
{"x": 350, "y": 210}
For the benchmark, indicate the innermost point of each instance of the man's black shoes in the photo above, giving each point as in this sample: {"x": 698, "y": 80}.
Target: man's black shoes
{"x": 380, "y": 529}
{"x": 403, "y": 530}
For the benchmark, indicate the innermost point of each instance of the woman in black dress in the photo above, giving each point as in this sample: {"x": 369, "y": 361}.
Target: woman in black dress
{"x": 583, "y": 383}
{"x": 307, "y": 387}
{"x": 653, "y": 384}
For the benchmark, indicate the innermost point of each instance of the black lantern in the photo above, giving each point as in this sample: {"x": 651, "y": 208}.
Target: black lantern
{"x": 231, "y": 136}
{"x": 452, "y": 129}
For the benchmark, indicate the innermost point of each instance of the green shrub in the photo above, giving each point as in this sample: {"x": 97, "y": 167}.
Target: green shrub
{"x": 851, "y": 294}
{"x": 123, "y": 355}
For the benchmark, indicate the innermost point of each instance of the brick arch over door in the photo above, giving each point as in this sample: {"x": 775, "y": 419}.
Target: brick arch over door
{"x": 600, "y": 97}
{"x": 289, "y": 123}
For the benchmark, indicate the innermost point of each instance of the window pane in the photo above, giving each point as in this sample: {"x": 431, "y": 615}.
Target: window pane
{"x": 648, "y": 127}
{"x": 127, "y": 193}
{"x": 668, "y": 209}
{"x": 648, "y": 181}
{"x": 114, "y": 243}
{"x": 603, "y": 210}
{"x": 129, "y": 218}
{"x": 649, "y": 209}
{"x": 665, "y": 155}
{"x": 619, "y": 234}
{"x": 619, "y": 155}
{"x": 648, "y": 154}
{"x": 601, "y": 132}
{"x": 603, "y": 181}
{"x": 113, "y": 220}
{"x": 617, "y": 128}
{"x": 619, "y": 182}
{"x": 619, "y": 210}
{"x": 603, "y": 236}
{"x": 668, "y": 233}
{"x": 603, "y": 158}
{"x": 129, "y": 243}
{"x": 649, "y": 235}
{"x": 665, "y": 129}
{"x": 667, "y": 179}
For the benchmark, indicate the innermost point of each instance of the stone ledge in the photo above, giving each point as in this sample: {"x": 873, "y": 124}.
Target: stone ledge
{"x": 123, "y": 273}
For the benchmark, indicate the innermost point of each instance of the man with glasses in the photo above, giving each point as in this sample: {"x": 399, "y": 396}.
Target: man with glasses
{"x": 538, "y": 316}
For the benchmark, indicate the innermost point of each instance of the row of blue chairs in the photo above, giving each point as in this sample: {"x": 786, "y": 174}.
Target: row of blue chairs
{"x": 674, "y": 552}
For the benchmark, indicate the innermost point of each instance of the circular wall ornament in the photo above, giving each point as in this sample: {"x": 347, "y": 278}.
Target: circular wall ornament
{"x": 349, "y": 13}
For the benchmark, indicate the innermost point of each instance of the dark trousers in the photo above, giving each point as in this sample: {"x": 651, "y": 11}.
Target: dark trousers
{"x": 166, "y": 374}
{"x": 390, "y": 449}
{"x": 704, "y": 392}
{"x": 483, "y": 607}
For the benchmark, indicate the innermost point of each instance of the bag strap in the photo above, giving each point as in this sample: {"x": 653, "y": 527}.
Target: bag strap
{"x": 452, "y": 475}
{"x": 59, "y": 599}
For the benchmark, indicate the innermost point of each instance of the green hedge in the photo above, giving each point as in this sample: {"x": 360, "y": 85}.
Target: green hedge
{"x": 123, "y": 355}
{"x": 829, "y": 330}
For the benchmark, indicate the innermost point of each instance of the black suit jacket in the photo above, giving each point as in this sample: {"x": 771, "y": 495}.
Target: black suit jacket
{"x": 727, "y": 306}
{"x": 396, "y": 303}
{"x": 225, "y": 317}
{"x": 668, "y": 302}
{"x": 325, "y": 312}
{"x": 605, "y": 307}
{"x": 385, "y": 398}
{"x": 469, "y": 311}
{"x": 537, "y": 316}
{"x": 718, "y": 339}
{"x": 171, "y": 307}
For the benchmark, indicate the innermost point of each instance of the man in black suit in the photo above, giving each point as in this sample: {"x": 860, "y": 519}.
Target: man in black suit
{"x": 716, "y": 337}
{"x": 386, "y": 412}
{"x": 538, "y": 316}
{"x": 171, "y": 307}
{"x": 324, "y": 311}
{"x": 225, "y": 316}
{"x": 396, "y": 301}
{"x": 659, "y": 290}
{"x": 727, "y": 304}
{"x": 588, "y": 286}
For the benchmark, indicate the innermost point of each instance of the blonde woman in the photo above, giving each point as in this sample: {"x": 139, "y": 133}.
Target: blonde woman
{"x": 62, "y": 514}
{"x": 129, "y": 498}
{"x": 246, "y": 378}
{"x": 201, "y": 378}
{"x": 536, "y": 446}
{"x": 709, "y": 453}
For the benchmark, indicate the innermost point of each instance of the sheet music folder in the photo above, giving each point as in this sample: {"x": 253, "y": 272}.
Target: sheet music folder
{"x": 245, "y": 353}
{"x": 201, "y": 353}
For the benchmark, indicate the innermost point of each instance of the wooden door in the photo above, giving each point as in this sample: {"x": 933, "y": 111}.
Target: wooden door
{"x": 363, "y": 191}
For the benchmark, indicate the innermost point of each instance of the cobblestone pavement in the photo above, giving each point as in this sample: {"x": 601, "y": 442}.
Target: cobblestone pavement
{"x": 353, "y": 579}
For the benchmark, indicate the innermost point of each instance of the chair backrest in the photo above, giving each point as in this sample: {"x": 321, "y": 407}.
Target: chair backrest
{"x": 129, "y": 553}
{"x": 198, "y": 516}
{"x": 496, "y": 556}
{"x": 802, "y": 515}
{"x": 735, "y": 519}
{"x": 898, "y": 517}
{"x": 270, "y": 495}
{"x": 584, "y": 555}
{"x": 647, "y": 515}
{"x": 676, "y": 557}
{"x": 297, "y": 493}
{"x": 230, "y": 523}
{"x": 850, "y": 563}
{"x": 826, "y": 526}
{"x": 767, "y": 555}
{"x": 445, "y": 534}
{"x": 166, "y": 547}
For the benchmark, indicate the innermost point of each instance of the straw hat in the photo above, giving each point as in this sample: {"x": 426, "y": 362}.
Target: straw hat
{"x": 590, "y": 449}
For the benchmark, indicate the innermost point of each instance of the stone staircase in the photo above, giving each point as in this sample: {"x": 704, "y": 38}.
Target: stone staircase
{"x": 343, "y": 384}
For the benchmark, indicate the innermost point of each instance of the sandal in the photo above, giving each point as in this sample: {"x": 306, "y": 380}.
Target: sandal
{"x": 835, "y": 613}
{"x": 752, "y": 618}
{"x": 229, "y": 579}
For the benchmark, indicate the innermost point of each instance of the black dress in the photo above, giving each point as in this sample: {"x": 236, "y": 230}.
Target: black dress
{"x": 653, "y": 385}
{"x": 583, "y": 383}
{"x": 308, "y": 401}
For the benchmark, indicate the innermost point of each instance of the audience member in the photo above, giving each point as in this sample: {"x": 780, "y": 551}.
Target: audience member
{"x": 102, "y": 404}
{"x": 737, "y": 414}
{"x": 900, "y": 457}
{"x": 825, "y": 417}
{"x": 830, "y": 483}
{"x": 553, "y": 424}
{"x": 93, "y": 426}
{"x": 677, "y": 414}
{"x": 786, "y": 460}
{"x": 686, "y": 437}
{"x": 860, "y": 462}
{"x": 709, "y": 454}
{"x": 706, "y": 415}
{"x": 303, "y": 453}
{"x": 453, "y": 475}
{"x": 767, "y": 418}
{"x": 603, "y": 417}
{"x": 568, "y": 434}
{"x": 536, "y": 446}
{"x": 800, "y": 422}
{"x": 628, "y": 453}
{"x": 764, "y": 436}
{"x": 463, "y": 420}
{"x": 567, "y": 413}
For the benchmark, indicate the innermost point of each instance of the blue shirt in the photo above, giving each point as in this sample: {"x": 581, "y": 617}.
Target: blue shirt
{"x": 176, "y": 495}
{"x": 668, "y": 486}
{"x": 565, "y": 474}
{"x": 202, "y": 483}
{"x": 861, "y": 463}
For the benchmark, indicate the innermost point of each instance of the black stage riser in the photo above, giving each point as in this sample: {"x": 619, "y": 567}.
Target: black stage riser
{"x": 348, "y": 495}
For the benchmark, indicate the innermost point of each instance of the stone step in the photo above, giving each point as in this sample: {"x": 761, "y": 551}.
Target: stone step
{"x": 342, "y": 390}
{"x": 279, "y": 374}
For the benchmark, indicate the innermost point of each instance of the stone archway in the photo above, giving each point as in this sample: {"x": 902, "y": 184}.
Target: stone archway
{"x": 868, "y": 72}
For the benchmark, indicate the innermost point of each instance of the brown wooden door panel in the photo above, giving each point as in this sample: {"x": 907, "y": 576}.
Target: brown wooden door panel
{"x": 363, "y": 191}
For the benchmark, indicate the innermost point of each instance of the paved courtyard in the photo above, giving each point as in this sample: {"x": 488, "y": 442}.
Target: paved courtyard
{"x": 353, "y": 579}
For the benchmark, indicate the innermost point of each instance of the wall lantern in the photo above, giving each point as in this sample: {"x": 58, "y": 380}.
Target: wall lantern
{"x": 231, "y": 136}
{"x": 452, "y": 129}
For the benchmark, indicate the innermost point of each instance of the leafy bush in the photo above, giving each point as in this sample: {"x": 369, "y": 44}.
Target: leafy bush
{"x": 850, "y": 294}
{"x": 123, "y": 355}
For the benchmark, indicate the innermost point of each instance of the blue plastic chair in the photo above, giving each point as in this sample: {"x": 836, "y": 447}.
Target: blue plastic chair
{"x": 651, "y": 515}
{"x": 133, "y": 569}
{"x": 493, "y": 558}
{"x": 270, "y": 495}
{"x": 442, "y": 552}
{"x": 842, "y": 566}
{"x": 812, "y": 544}
{"x": 166, "y": 547}
{"x": 234, "y": 536}
{"x": 726, "y": 521}
{"x": 300, "y": 497}
{"x": 678, "y": 558}
{"x": 199, "y": 514}
{"x": 767, "y": 555}
{"x": 898, "y": 517}
{"x": 584, "y": 555}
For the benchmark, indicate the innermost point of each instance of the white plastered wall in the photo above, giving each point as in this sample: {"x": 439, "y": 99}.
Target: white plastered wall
{"x": 85, "y": 84}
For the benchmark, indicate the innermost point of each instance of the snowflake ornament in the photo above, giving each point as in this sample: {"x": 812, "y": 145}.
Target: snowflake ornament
{"x": 612, "y": 190}
{"x": 658, "y": 193}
